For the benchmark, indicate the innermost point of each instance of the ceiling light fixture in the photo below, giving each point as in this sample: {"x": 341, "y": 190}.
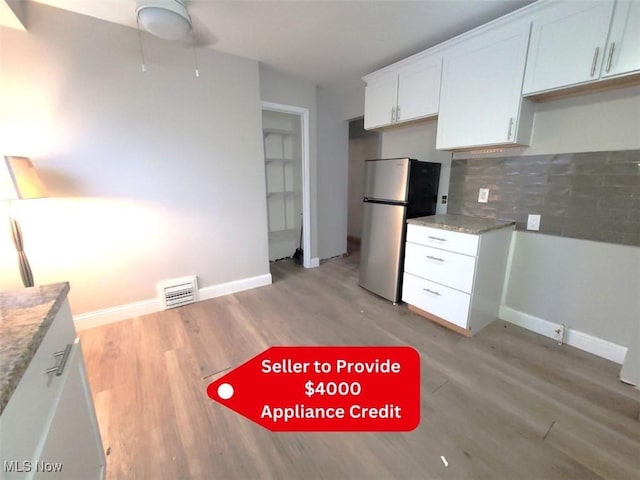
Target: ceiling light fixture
{"x": 168, "y": 19}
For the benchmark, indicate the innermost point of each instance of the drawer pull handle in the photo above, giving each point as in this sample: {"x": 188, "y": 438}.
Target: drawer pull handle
{"x": 431, "y": 291}
{"x": 440, "y": 239}
{"x": 435, "y": 258}
{"x": 58, "y": 369}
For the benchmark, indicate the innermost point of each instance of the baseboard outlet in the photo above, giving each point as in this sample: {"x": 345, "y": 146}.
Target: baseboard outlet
{"x": 97, "y": 318}
{"x": 583, "y": 341}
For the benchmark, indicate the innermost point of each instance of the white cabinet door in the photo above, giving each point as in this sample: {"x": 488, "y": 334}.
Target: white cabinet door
{"x": 419, "y": 89}
{"x": 623, "y": 48}
{"x": 72, "y": 445}
{"x": 480, "y": 101}
{"x": 380, "y": 99}
{"x": 567, "y": 45}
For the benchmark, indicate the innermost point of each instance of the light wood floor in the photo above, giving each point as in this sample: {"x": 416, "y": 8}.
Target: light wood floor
{"x": 505, "y": 404}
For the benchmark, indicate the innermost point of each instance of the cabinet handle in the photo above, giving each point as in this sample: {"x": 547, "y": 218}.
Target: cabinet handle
{"x": 393, "y": 114}
{"x": 595, "y": 60}
{"x": 58, "y": 369}
{"x": 431, "y": 291}
{"x": 435, "y": 258}
{"x": 437, "y": 238}
{"x": 510, "y": 128}
{"x": 613, "y": 46}
{"x": 398, "y": 113}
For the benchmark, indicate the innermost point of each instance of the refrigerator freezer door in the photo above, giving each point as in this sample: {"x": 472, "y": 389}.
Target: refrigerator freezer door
{"x": 381, "y": 249}
{"x": 386, "y": 179}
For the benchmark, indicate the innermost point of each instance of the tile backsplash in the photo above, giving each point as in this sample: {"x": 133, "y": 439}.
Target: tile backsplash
{"x": 592, "y": 196}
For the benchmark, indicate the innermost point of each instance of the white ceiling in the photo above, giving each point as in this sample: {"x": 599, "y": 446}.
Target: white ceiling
{"x": 332, "y": 43}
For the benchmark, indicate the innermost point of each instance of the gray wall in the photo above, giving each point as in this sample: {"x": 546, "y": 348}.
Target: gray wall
{"x": 601, "y": 121}
{"x": 154, "y": 175}
{"x": 589, "y": 286}
{"x": 335, "y": 108}
{"x": 361, "y": 148}
{"x": 418, "y": 140}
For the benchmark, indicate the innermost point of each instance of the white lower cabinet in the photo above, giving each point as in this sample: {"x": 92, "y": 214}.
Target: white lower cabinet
{"x": 73, "y": 441}
{"x": 48, "y": 428}
{"x": 453, "y": 278}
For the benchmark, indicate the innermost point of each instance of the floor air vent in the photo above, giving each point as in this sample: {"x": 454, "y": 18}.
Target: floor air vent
{"x": 177, "y": 292}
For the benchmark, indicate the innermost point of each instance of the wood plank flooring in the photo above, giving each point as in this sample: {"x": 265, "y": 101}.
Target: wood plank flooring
{"x": 505, "y": 404}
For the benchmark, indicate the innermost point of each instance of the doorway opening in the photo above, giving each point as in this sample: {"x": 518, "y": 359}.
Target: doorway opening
{"x": 285, "y": 131}
{"x": 363, "y": 145}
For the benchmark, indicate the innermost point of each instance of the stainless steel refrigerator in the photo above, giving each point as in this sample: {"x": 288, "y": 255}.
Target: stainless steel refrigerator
{"x": 395, "y": 189}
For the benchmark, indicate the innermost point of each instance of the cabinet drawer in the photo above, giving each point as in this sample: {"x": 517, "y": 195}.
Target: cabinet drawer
{"x": 447, "y": 268}
{"x": 26, "y": 415}
{"x": 445, "y": 239}
{"x": 446, "y": 303}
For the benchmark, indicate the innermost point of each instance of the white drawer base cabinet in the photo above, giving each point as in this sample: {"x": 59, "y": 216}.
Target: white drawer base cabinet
{"x": 48, "y": 429}
{"x": 453, "y": 278}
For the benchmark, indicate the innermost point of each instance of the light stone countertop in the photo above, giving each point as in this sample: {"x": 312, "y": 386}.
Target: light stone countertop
{"x": 461, "y": 223}
{"x": 25, "y": 317}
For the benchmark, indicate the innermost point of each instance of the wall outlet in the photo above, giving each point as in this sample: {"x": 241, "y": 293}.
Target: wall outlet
{"x": 559, "y": 334}
{"x": 444, "y": 199}
{"x": 483, "y": 195}
{"x": 533, "y": 222}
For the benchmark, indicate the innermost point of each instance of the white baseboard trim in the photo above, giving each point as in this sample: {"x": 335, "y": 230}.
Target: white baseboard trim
{"x": 233, "y": 287}
{"x": 97, "y": 318}
{"x": 583, "y": 341}
{"x": 315, "y": 262}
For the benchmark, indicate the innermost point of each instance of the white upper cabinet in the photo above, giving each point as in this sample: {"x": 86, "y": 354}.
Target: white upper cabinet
{"x": 623, "y": 47}
{"x": 419, "y": 89}
{"x": 380, "y": 101}
{"x": 407, "y": 92}
{"x": 572, "y": 43}
{"x": 480, "y": 99}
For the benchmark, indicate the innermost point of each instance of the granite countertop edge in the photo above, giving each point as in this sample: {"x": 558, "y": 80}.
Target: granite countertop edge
{"x": 462, "y": 223}
{"x": 13, "y": 369}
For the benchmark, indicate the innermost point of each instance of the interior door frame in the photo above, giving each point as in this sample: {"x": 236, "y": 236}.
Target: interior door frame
{"x": 303, "y": 113}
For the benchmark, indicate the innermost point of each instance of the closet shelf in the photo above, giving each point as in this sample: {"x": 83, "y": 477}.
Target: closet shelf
{"x": 276, "y": 131}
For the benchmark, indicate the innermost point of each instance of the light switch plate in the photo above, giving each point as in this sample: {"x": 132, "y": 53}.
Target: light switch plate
{"x": 533, "y": 222}
{"x": 483, "y": 195}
